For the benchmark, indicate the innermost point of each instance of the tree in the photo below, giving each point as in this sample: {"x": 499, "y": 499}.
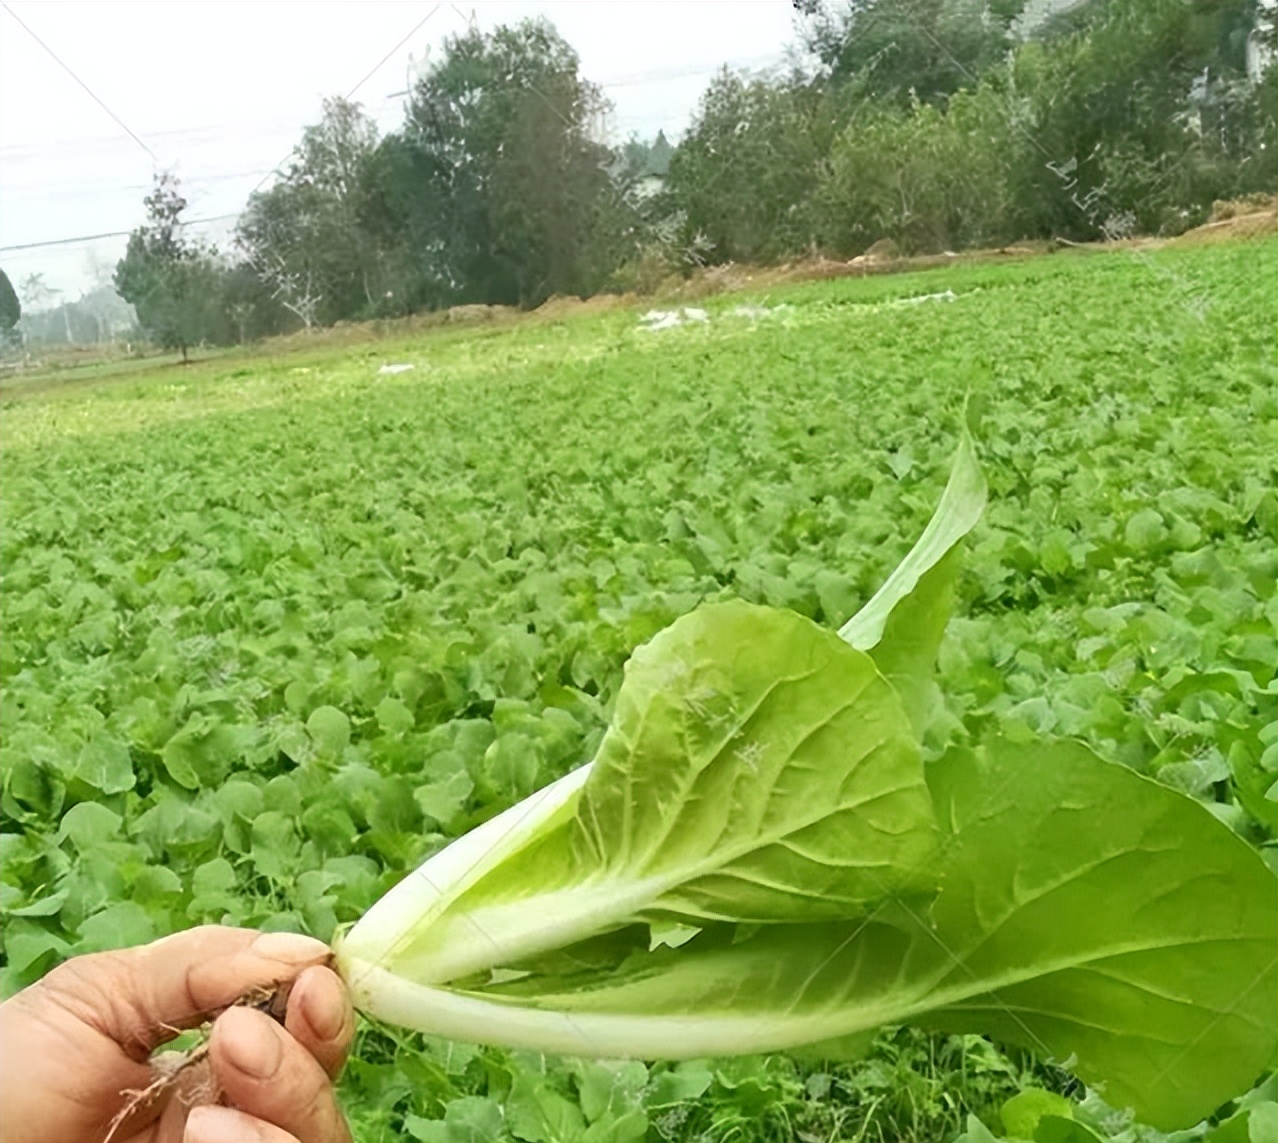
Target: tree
{"x": 307, "y": 236}
{"x": 929, "y": 179}
{"x": 171, "y": 281}
{"x": 497, "y": 179}
{"x": 742, "y": 175}
{"x": 906, "y": 50}
{"x": 1137, "y": 112}
{"x": 10, "y": 311}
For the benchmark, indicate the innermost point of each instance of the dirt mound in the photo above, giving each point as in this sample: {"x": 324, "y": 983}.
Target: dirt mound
{"x": 568, "y": 305}
{"x": 476, "y": 313}
{"x": 1252, "y": 217}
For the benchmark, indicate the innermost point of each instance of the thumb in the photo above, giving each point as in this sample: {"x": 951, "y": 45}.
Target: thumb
{"x": 141, "y": 997}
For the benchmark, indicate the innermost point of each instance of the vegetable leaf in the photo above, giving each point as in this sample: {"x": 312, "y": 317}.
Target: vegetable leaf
{"x": 771, "y": 784}
{"x": 902, "y": 626}
{"x": 753, "y": 864}
{"x": 1085, "y": 912}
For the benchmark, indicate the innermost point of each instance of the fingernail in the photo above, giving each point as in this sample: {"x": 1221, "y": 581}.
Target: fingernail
{"x": 251, "y": 1043}
{"x": 291, "y": 947}
{"x": 324, "y": 1014}
{"x": 217, "y": 1125}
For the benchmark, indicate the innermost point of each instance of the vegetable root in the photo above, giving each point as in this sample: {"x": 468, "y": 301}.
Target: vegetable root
{"x": 186, "y": 1075}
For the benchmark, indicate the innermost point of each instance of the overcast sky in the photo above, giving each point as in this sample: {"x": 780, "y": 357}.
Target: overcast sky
{"x": 220, "y": 91}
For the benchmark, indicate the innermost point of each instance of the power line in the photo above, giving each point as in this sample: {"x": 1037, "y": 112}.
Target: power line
{"x": 54, "y": 55}
{"x": 194, "y": 221}
{"x": 621, "y": 81}
{"x": 381, "y": 63}
{"x": 107, "y": 234}
{"x": 351, "y": 94}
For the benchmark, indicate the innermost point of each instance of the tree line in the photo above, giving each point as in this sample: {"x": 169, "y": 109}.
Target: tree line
{"x": 938, "y": 124}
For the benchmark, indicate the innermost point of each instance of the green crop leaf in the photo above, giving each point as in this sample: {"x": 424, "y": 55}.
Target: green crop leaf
{"x": 1113, "y": 920}
{"x": 330, "y": 730}
{"x": 201, "y": 753}
{"x": 118, "y": 926}
{"x": 1085, "y": 912}
{"x": 772, "y": 786}
{"x": 1257, "y": 1122}
{"x": 976, "y": 1132}
{"x": 902, "y": 626}
{"x": 393, "y": 716}
{"x": 89, "y": 825}
{"x": 105, "y": 764}
{"x": 537, "y": 1113}
{"x": 753, "y": 863}
{"x": 275, "y": 845}
{"x": 1021, "y": 1113}
{"x": 1063, "y": 1129}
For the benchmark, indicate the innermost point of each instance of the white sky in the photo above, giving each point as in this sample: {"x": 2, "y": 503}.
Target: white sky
{"x": 220, "y": 91}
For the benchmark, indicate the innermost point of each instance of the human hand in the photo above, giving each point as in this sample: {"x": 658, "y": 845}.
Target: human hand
{"x": 77, "y": 1043}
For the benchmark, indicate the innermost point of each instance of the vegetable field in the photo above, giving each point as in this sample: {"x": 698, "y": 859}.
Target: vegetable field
{"x": 275, "y": 629}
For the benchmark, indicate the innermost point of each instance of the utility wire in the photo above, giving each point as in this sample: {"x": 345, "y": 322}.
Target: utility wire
{"x": 351, "y": 94}
{"x": 56, "y": 59}
{"x": 380, "y": 63}
{"x": 194, "y": 221}
{"x": 622, "y": 81}
{"x": 107, "y": 234}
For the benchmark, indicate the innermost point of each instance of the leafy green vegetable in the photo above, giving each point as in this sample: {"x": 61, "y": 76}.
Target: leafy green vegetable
{"x": 902, "y": 626}
{"x": 272, "y": 534}
{"x": 748, "y": 865}
{"x": 758, "y": 770}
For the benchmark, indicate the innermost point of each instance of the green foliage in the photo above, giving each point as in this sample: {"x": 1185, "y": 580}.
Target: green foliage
{"x": 930, "y": 180}
{"x": 496, "y": 181}
{"x": 747, "y": 866}
{"x": 1143, "y": 115}
{"x": 472, "y": 546}
{"x": 170, "y": 280}
{"x": 741, "y": 176}
{"x": 896, "y": 52}
{"x": 10, "y": 307}
{"x": 948, "y": 124}
{"x": 308, "y": 236}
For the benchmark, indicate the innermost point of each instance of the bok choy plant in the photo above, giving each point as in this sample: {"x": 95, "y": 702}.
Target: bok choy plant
{"x": 759, "y": 859}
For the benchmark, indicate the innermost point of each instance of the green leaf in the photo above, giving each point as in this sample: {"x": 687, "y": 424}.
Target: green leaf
{"x": 117, "y": 926}
{"x": 1086, "y": 913}
{"x": 536, "y": 1113}
{"x": 1263, "y": 1125}
{"x": 1021, "y": 1113}
{"x": 1145, "y": 531}
{"x": 776, "y": 786}
{"x": 613, "y": 1088}
{"x": 393, "y": 716}
{"x": 201, "y": 754}
{"x": 89, "y": 825}
{"x": 902, "y": 626}
{"x": 44, "y": 907}
{"x": 976, "y": 1132}
{"x": 678, "y": 1084}
{"x": 330, "y": 730}
{"x": 426, "y": 1130}
{"x": 1077, "y": 888}
{"x": 25, "y": 945}
{"x": 470, "y": 1119}
{"x": 275, "y": 845}
{"x": 104, "y": 763}
{"x": 442, "y": 801}
{"x": 1063, "y": 1129}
